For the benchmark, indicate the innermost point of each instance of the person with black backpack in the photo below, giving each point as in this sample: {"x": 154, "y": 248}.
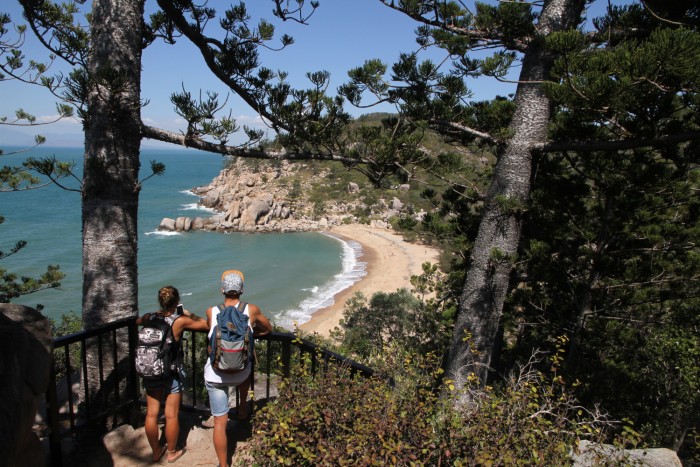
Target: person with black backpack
{"x": 233, "y": 325}
{"x": 158, "y": 362}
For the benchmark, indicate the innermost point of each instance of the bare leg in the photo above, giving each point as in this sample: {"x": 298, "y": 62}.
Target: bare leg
{"x": 220, "y": 439}
{"x": 243, "y": 398}
{"x": 172, "y": 424}
{"x": 151, "y": 424}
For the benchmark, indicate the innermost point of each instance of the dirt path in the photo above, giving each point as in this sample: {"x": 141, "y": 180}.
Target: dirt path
{"x": 126, "y": 446}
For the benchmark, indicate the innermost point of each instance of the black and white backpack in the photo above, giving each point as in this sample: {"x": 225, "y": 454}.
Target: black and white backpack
{"x": 157, "y": 351}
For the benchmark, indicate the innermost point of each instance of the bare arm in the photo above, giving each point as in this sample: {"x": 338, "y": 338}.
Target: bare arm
{"x": 259, "y": 322}
{"x": 142, "y": 319}
{"x": 190, "y": 322}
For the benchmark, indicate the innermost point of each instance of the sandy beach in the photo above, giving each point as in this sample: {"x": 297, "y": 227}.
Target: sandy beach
{"x": 390, "y": 264}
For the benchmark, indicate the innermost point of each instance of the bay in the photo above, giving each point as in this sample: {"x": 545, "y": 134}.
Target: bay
{"x": 288, "y": 275}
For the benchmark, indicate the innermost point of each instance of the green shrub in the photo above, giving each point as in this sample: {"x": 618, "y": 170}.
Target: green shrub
{"x": 332, "y": 418}
{"x": 68, "y": 324}
{"x": 398, "y": 318}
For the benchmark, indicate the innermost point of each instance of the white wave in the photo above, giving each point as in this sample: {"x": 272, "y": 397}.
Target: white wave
{"x": 163, "y": 233}
{"x": 195, "y": 207}
{"x": 188, "y": 192}
{"x": 323, "y": 296}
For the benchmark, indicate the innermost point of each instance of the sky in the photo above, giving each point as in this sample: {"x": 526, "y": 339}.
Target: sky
{"x": 341, "y": 35}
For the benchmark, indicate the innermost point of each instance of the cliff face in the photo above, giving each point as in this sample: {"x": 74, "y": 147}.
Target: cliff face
{"x": 274, "y": 197}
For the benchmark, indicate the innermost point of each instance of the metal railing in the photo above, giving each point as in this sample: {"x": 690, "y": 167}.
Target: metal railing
{"x": 81, "y": 394}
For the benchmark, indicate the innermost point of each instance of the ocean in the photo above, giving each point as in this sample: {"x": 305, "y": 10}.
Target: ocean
{"x": 289, "y": 276}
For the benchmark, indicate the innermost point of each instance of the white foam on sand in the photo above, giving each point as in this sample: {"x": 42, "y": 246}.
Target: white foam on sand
{"x": 322, "y": 296}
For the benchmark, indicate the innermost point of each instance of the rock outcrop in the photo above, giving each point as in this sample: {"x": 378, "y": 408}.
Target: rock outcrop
{"x": 25, "y": 353}
{"x": 592, "y": 454}
{"x": 269, "y": 197}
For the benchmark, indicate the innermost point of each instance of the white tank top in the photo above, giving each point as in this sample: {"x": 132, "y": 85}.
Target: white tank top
{"x": 212, "y": 375}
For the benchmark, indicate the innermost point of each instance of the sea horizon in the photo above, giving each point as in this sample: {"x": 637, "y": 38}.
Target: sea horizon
{"x": 289, "y": 275}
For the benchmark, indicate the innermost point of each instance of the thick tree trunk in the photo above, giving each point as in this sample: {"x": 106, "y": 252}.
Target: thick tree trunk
{"x": 496, "y": 244}
{"x": 110, "y": 180}
{"x": 111, "y": 193}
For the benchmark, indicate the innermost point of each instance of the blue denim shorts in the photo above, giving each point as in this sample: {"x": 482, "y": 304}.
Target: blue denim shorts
{"x": 171, "y": 385}
{"x": 218, "y": 397}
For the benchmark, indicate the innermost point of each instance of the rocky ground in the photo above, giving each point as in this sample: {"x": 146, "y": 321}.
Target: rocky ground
{"x": 126, "y": 446}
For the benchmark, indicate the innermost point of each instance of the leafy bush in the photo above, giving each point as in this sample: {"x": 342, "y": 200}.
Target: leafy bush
{"x": 397, "y": 317}
{"x": 333, "y": 418}
{"x": 68, "y": 324}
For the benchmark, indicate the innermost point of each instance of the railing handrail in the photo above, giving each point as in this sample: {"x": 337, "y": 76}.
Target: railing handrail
{"x": 311, "y": 346}
{"x": 132, "y": 396}
{"x": 87, "y": 334}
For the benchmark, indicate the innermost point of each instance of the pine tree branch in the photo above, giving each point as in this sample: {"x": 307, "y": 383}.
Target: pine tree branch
{"x": 202, "y": 43}
{"x": 616, "y": 145}
{"x": 466, "y": 129}
{"x": 166, "y": 136}
{"x": 484, "y": 38}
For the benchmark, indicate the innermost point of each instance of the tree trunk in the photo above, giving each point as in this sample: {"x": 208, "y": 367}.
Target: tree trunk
{"x": 110, "y": 179}
{"x": 496, "y": 244}
{"x": 111, "y": 191}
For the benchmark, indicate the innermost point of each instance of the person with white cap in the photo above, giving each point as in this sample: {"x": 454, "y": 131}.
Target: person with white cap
{"x": 218, "y": 383}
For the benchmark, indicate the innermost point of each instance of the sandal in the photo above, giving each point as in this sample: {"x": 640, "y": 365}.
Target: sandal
{"x": 178, "y": 454}
{"x": 208, "y": 423}
{"x": 163, "y": 450}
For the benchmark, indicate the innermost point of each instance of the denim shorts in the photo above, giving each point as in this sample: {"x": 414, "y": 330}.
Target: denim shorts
{"x": 218, "y": 397}
{"x": 171, "y": 385}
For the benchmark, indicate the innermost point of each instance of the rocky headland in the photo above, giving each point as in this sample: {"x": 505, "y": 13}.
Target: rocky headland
{"x": 273, "y": 197}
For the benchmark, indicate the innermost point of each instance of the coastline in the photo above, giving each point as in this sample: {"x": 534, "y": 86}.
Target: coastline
{"x": 390, "y": 264}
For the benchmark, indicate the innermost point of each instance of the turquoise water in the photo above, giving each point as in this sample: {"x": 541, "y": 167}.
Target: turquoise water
{"x": 288, "y": 275}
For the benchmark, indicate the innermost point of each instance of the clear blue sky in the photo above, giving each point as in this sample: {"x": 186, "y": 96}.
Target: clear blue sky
{"x": 341, "y": 35}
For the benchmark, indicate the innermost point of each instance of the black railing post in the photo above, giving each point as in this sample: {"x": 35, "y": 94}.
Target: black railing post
{"x": 86, "y": 382}
{"x": 133, "y": 382}
{"x": 194, "y": 368}
{"x": 69, "y": 385}
{"x": 52, "y": 418}
{"x": 101, "y": 373}
{"x": 115, "y": 366}
{"x": 286, "y": 357}
{"x": 268, "y": 366}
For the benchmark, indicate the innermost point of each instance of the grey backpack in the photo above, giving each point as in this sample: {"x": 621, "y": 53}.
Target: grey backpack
{"x": 156, "y": 351}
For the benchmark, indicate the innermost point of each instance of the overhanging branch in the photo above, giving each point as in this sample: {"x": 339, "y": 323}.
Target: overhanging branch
{"x": 179, "y": 139}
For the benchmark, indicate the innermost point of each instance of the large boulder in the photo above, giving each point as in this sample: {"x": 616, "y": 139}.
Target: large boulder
{"x": 396, "y": 204}
{"x": 255, "y": 209}
{"x": 25, "y": 359}
{"x": 592, "y": 454}
{"x": 211, "y": 200}
{"x": 167, "y": 224}
{"x": 197, "y": 223}
{"x": 183, "y": 224}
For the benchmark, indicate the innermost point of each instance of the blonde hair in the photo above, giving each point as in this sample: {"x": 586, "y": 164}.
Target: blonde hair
{"x": 168, "y": 297}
